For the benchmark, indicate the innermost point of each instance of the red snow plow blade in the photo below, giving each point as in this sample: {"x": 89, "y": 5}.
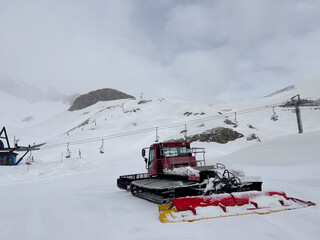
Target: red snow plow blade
{"x": 190, "y": 209}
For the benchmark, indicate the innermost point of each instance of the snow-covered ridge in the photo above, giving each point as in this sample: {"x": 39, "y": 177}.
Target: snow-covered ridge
{"x": 281, "y": 91}
{"x": 173, "y": 118}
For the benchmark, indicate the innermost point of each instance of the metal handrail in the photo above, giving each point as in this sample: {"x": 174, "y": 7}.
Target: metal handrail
{"x": 196, "y": 151}
{"x": 193, "y": 151}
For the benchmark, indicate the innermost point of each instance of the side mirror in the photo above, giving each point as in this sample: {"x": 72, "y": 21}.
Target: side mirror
{"x": 143, "y": 152}
{"x": 146, "y": 161}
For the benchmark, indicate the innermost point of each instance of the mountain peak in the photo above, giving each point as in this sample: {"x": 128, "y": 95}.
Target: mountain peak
{"x": 105, "y": 94}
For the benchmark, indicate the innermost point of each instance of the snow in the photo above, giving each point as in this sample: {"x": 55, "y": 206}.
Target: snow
{"x": 277, "y": 152}
{"x": 182, "y": 171}
{"x": 59, "y": 198}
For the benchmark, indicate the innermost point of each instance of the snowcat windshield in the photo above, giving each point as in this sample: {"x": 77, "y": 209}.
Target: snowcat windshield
{"x": 175, "y": 151}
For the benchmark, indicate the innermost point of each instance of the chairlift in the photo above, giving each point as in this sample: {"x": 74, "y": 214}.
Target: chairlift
{"x": 101, "y": 148}
{"x": 68, "y": 153}
{"x": 28, "y": 161}
{"x": 274, "y": 117}
{"x": 235, "y": 118}
{"x": 31, "y": 158}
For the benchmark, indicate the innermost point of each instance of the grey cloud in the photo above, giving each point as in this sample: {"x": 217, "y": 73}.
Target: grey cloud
{"x": 202, "y": 49}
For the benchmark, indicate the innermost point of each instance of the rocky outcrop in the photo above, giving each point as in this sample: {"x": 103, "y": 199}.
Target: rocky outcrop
{"x": 106, "y": 94}
{"x": 219, "y": 135}
{"x": 253, "y": 137}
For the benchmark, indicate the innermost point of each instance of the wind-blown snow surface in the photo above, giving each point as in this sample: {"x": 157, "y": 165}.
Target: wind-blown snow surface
{"x": 59, "y": 198}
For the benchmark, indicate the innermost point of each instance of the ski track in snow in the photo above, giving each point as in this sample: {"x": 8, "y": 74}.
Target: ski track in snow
{"x": 59, "y": 198}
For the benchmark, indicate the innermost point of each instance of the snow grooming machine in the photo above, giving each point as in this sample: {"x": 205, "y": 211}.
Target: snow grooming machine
{"x": 185, "y": 186}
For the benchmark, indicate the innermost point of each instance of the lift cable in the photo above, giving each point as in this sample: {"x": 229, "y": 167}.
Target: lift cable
{"x": 152, "y": 129}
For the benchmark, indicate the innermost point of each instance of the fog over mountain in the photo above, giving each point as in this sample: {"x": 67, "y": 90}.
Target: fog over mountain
{"x": 33, "y": 94}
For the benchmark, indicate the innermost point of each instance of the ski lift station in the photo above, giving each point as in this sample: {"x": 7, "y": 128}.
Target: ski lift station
{"x": 8, "y": 155}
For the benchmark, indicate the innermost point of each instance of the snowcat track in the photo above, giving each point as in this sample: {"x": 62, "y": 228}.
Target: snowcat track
{"x": 161, "y": 191}
{"x": 124, "y": 181}
{"x": 151, "y": 197}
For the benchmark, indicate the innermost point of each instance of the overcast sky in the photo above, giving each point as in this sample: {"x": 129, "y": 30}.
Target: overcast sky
{"x": 196, "y": 51}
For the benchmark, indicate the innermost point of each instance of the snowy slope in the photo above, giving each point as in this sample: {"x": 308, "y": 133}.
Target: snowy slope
{"x": 58, "y": 198}
{"x": 88, "y": 205}
{"x": 279, "y": 152}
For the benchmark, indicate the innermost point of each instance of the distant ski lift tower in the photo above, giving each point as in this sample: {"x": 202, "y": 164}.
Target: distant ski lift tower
{"x": 157, "y": 136}
{"x": 296, "y": 100}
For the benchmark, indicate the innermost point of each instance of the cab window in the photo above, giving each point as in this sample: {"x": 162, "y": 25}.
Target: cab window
{"x": 151, "y": 157}
{"x": 175, "y": 151}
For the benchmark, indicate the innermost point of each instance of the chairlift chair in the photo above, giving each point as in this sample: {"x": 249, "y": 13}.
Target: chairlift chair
{"x": 274, "y": 117}
{"x": 28, "y": 161}
{"x": 101, "y": 148}
{"x": 68, "y": 153}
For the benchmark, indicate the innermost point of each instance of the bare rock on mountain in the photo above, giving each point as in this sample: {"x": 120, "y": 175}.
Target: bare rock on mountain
{"x": 219, "y": 135}
{"x": 106, "y": 94}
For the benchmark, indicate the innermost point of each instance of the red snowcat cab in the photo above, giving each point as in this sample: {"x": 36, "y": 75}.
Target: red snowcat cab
{"x": 168, "y": 156}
